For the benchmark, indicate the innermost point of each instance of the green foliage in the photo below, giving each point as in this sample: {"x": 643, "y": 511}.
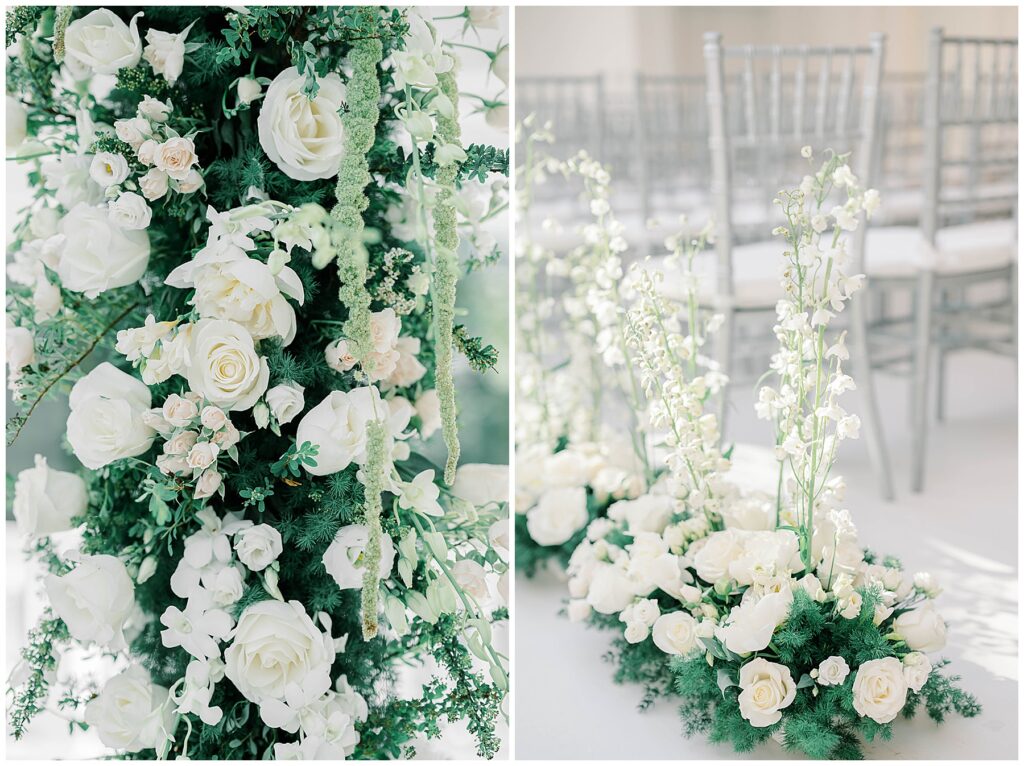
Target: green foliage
{"x": 40, "y": 664}
{"x": 480, "y": 357}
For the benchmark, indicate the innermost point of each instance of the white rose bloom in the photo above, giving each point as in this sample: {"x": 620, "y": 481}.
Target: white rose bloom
{"x": 154, "y": 109}
{"x": 274, "y": 646}
{"x": 303, "y": 137}
{"x": 648, "y": 513}
{"x": 559, "y": 514}
{"x": 676, "y": 633}
{"x": 97, "y": 254}
{"x": 100, "y": 43}
{"x": 916, "y": 669}
{"x": 471, "y": 577}
{"x": 768, "y": 688}
{"x": 94, "y": 599}
{"x": 175, "y": 157}
{"x": 227, "y": 586}
{"x": 610, "y": 590}
{"x": 106, "y": 421}
{"x": 408, "y": 369}
{"x": 715, "y": 556}
{"x": 579, "y": 610}
{"x": 922, "y": 629}
{"x": 880, "y": 690}
{"x": 337, "y": 426}
{"x": 132, "y": 131}
{"x": 338, "y": 356}
{"x": 498, "y": 537}
{"x": 20, "y": 349}
{"x": 192, "y": 182}
{"x": 154, "y": 184}
{"x": 130, "y": 212}
{"x": 344, "y": 557}
{"x": 428, "y": 408}
{"x": 750, "y": 626}
{"x": 166, "y": 52}
{"x": 286, "y": 401}
{"x": 481, "y": 483}
{"x": 45, "y": 500}
{"x": 131, "y": 713}
{"x": 258, "y": 547}
{"x": 207, "y": 484}
{"x": 833, "y": 671}
{"x": 224, "y": 366}
{"x": 636, "y": 632}
{"x": 108, "y": 169}
{"x": 248, "y": 90}
{"x": 17, "y": 123}
{"x": 68, "y": 177}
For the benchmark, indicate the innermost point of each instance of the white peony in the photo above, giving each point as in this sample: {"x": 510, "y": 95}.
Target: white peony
{"x": 132, "y": 713}
{"x": 166, "y": 52}
{"x": 558, "y": 515}
{"x": 767, "y": 689}
{"x": 130, "y": 212}
{"x": 832, "y": 671}
{"x": 750, "y": 626}
{"x": 94, "y": 599}
{"x": 880, "y": 689}
{"x": 302, "y": 136}
{"x": 286, "y": 401}
{"x": 916, "y": 669}
{"x": 258, "y": 546}
{"x": 100, "y": 43}
{"x": 337, "y": 427}
{"x": 106, "y": 421}
{"x": 922, "y": 629}
{"x": 223, "y": 365}
{"x": 344, "y": 557}
{"x": 98, "y": 255}
{"x": 676, "y": 633}
{"x": 481, "y": 483}
{"x": 46, "y": 500}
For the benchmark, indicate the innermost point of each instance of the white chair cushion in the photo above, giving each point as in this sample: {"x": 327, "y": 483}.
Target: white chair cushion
{"x": 902, "y": 251}
{"x": 757, "y": 275}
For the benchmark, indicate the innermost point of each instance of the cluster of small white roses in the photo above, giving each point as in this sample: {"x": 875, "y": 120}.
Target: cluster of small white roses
{"x": 393, "y": 360}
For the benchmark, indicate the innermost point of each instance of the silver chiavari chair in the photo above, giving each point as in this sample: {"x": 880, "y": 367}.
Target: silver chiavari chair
{"x": 899, "y": 149}
{"x": 960, "y": 263}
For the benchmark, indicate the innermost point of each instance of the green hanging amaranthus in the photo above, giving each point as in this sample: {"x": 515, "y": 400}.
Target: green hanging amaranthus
{"x": 446, "y": 275}
{"x": 375, "y": 464}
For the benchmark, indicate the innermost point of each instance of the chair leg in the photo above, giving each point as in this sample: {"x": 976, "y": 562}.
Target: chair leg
{"x": 919, "y": 384}
{"x": 877, "y": 451}
{"x": 940, "y": 384}
{"x": 723, "y": 355}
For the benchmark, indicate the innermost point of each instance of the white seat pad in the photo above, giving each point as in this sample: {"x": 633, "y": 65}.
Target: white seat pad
{"x": 902, "y": 251}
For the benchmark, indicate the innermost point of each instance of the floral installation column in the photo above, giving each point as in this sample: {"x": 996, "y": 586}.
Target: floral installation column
{"x": 240, "y": 259}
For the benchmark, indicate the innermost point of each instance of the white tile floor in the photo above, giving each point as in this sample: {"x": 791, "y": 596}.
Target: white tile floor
{"x": 963, "y": 528}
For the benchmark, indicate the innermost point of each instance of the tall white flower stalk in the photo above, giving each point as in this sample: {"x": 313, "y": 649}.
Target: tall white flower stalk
{"x": 808, "y": 367}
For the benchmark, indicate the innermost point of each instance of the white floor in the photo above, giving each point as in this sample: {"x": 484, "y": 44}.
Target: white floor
{"x": 962, "y": 528}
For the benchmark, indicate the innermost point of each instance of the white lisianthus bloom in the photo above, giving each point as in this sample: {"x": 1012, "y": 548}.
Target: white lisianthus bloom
{"x": 880, "y": 689}
{"x": 337, "y": 427}
{"x": 166, "y": 52}
{"x": 304, "y": 137}
{"x": 17, "y": 123}
{"x": 100, "y": 43}
{"x": 154, "y": 184}
{"x": 98, "y": 255}
{"x": 175, "y": 157}
{"x": 344, "y": 558}
{"x": 676, "y": 633}
{"x": 767, "y": 689}
{"x": 94, "y": 599}
{"x": 916, "y": 669}
{"x": 130, "y": 212}
{"x": 750, "y": 626}
{"x": 108, "y": 169}
{"x": 286, "y": 401}
{"x": 45, "y": 500}
{"x": 832, "y": 671}
{"x": 428, "y": 409}
{"x": 106, "y": 421}
{"x": 274, "y": 646}
{"x": 481, "y": 483}
{"x": 249, "y": 90}
{"x": 922, "y": 629}
{"x": 224, "y": 366}
{"x": 131, "y": 713}
{"x": 423, "y": 57}
{"x": 558, "y": 515}
{"x": 258, "y": 547}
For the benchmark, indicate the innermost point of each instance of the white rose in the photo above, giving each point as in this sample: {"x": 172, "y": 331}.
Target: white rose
{"x": 764, "y": 555}
{"x": 20, "y": 348}
{"x": 498, "y": 537}
{"x": 916, "y": 669}
{"x": 17, "y": 122}
{"x": 100, "y": 43}
{"x": 192, "y": 182}
{"x": 181, "y": 442}
{"x": 338, "y": 356}
{"x": 154, "y": 184}
{"x": 481, "y": 483}
{"x": 559, "y": 514}
{"x": 207, "y": 484}
{"x": 408, "y": 369}
{"x": 636, "y": 632}
{"x": 274, "y": 646}
{"x": 108, "y": 169}
{"x": 259, "y": 546}
{"x": 98, "y": 255}
{"x": 922, "y": 629}
{"x": 202, "y": 455}
{"x": 880, "y": 690}
{"x": 131, "y": 713}
{"x": 248, "y": 90}
{"x": 471, "y": 577}
{"x": 130, "y": 212}
{"x": 45, "y": 500}
{"x": 213, "y": 418}
{"x": 344, "y": 558}
{"x": 337, "y": 427}
{"x": 833, "y": 671}
{"x": 286, "y": 401}
{"x": 94, "y": 599}
{"x": 224, "y": 366}
{"x": 106, "y": 421}
{"x": 712, "y": 561}
{"x": 648, "y": 513}
{"x": 227, "y": 586}
{"x": 611, "y": 590}
{"x": 132, "y": 131}
{"x": 768, "y": 688}
{"x": 579, "y": 610}
{"x": 175, "y": 157}
{"x": 428, "y": 408}
{"x": 166, "y": 52}
{"x": 676, "y": 633}
{"x": 750, "y": 626}
{"x": 179, "y": 411}
{"x": 154, "y": 109}
{"x": 303, "y": 137}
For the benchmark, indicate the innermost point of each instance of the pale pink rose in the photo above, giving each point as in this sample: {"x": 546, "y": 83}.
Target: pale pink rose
{"x": 203, "y": 455}
{"x": 169, "y": 464}
{"x": 227, "y": 437}
{"x": 179, "y": 412}
{"x": 153, "y": 184}
{"x": 181, "y": 443}
{"x": 192, "y": 182}
{"x": 338, "y": 356}
{"x": 213, "y": 418}
{"x": 175, "y": 157}
{"x": 207, "y": 484}
{"x": 147, "y": 151}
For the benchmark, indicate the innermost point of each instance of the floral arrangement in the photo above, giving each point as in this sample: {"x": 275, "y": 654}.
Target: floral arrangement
{"x": 761, "y": 612}
{"x": 254, "y": 219}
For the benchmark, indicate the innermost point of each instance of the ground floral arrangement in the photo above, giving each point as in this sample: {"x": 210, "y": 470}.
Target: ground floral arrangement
{"x": 759, "y": 610}
{"x": 255, "y": 220}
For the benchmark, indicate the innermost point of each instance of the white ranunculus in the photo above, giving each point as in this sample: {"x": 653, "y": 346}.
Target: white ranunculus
{"x": 100, "y": 43}
{"x": 428, "y": 408}
{"x": 274, "y": 646}
{"x": 108, "y": 169}
{"x": 481, "y": 483}
{"x": 17, "y": 123}
{"x": 166, "y": 52}
{"x": 303, "y": 137}
{"x": 344, "y": 558}
{"x": 131, "y": 713}
{"x": 558, "y": 515}
{"x": 922, "y": 629}
{"x": 154, "y": 184}
{"x": 610, "y": 590}
{"x": 768, "y": 688}
{"x": 106, "y": 421}
{"x": 94, "y": 599}
{"x": 648, "y": 513}
{"x": 68, "y": 177}
{"x": 98, "y": 255}
{"x": 224, "y": 366}
{"x": 286, "y": 401}
{"x": 916, "y": 669}
{"x": 248, "y": 90}
{"x": 880, "y": 689}
{"x": 175, "y": 157}
{"x": 750, "y": 626}
{"x": 130, "y": 212}
{"x": 45, "y": 500}
{"x": 337, "y": 427}
{"x": 833, "y": 671}
{"x": 676, "y": 633}
{"x": 258, "y": 547}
